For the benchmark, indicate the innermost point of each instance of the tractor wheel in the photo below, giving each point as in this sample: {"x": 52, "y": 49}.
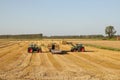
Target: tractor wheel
{"x": 30, "y": 50}
{"x": 82, "y": 49}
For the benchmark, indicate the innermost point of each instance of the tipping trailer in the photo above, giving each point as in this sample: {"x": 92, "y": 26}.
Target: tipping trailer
{"x": 54, "y": 48}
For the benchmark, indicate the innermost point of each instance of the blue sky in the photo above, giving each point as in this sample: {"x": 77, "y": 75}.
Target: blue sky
{"x": 59, "y": 17}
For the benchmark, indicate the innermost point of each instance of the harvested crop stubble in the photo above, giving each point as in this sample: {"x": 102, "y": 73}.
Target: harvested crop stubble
{"x": 94, "y": 64}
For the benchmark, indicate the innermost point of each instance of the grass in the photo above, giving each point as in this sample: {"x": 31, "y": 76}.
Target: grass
{"x": 103, "y": 47}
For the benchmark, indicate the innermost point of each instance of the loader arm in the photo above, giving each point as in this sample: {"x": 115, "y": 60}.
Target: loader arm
{"x": 71, "y": 44}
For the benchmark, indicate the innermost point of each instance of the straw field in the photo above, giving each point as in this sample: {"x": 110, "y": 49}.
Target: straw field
{"x": 94, "y": 64}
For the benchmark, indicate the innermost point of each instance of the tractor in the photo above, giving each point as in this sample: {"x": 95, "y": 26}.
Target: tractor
{"x": 78, "y": 48}
{"x": 34, "y": 48}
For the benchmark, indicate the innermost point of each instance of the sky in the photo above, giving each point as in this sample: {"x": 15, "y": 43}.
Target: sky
{"x": 59, "y": 17}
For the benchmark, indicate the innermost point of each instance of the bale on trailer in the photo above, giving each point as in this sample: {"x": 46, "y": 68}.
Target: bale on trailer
{"x": 64, "y": 42}
{"x": 53, "y": 45}
{"x": 55, "y": 49}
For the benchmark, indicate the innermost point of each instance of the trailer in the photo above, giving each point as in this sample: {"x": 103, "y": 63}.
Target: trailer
{"x": 54, "y": 49}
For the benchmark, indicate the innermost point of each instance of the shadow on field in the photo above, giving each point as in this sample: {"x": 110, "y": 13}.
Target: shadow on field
{"x": 84, "y": 51}
{"x": 89, "y": 51}
{"x": 63, "y": 53}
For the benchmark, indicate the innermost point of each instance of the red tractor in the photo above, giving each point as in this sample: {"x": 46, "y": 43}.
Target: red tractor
{"x": 34, "y": 48}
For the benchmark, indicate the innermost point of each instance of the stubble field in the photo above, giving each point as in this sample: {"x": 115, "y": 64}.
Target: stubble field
{"x": 94, "y": 64}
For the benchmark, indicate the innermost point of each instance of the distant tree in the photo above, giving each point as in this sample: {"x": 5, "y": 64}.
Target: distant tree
{"x": 110, "y": 31}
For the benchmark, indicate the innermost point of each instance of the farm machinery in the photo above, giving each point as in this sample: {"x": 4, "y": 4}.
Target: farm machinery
{"x": 34, "y": 48}
{"x": 54, "y": 48}
{"x": 77, "y": 47}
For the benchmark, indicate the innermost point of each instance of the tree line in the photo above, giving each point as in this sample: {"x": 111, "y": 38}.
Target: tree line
{"x": 40, "y": 36}
{"x": 22, "y": 36}
{"x": 109, "y": 31}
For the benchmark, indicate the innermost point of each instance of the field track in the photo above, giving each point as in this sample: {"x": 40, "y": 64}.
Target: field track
{"x": 94, "y": 64}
